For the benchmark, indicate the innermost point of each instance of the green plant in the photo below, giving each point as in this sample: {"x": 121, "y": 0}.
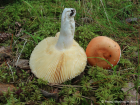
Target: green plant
{"x": 109, "y": 85}
{"x": 41, "y": 19}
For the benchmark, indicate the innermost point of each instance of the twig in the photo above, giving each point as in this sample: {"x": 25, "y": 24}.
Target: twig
{"x": 68, "y": 85}
{"x": 86, "y": 97}
{"x": 21, "y": 52}
{"x": 11, "y": 71}
{"x": 19, "y": 32}
{"x": 124, "y": 48}
{"x": 49, "y": 95}
{"x": 76, "y": 86}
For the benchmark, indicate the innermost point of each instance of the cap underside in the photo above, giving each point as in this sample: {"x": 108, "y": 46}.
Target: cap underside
{"x": 56, "y": 66}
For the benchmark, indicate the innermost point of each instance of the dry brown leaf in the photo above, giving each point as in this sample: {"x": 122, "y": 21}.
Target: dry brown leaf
{"x": 23, "y": 64}
{"x": 5, "y": 87}
{"x": 4, "y": 53}
{"x": 5, "y": 50}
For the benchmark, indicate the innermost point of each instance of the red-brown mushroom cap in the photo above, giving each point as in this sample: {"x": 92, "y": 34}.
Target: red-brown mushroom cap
{"x": 103, "y": 47}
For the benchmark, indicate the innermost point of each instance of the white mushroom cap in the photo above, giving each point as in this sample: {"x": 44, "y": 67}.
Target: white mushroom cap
{"x": 58, "y": 59}
{"x": 56, "y": 66}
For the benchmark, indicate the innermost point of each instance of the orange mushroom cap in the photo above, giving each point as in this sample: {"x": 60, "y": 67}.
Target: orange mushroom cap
{"x": 105, "y": 48}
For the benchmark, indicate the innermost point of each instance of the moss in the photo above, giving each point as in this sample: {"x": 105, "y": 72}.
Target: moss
{"x": 42, "y": 19}
{"x": 109, "y": 85}
{"x": 84, "y": 34}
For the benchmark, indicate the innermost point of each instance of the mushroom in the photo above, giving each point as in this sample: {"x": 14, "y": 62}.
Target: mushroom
{"x": 60, "y": 58}
{"x": 105, "y": 48}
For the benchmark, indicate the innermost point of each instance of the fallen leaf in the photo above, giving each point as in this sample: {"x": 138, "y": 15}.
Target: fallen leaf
{"x": 4, "y": 53}
{"x": 23, "y": 64}
{"x": 5, "y": 50}
{"x": 5, "y": 87}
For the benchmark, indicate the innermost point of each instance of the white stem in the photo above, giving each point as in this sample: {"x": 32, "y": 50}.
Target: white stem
{"x": 66, "y": 36}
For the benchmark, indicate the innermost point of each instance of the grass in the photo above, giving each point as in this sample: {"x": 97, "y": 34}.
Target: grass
{"x": 41, "y": 19}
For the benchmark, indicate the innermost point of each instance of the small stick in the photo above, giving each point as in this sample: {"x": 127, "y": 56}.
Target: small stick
{"x": 19, "y": 32}
{"x": 49, "y": 95}
{"x": 70, "y": 85}
{"x": 124, "y": 48}
{"x": 76, "y": 86}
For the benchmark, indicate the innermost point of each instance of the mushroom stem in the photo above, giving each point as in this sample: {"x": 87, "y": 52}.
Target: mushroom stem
{"x": 65, "y": 39}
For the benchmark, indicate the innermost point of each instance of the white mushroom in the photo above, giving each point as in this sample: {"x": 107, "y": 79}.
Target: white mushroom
{"x": 58, "y": 59}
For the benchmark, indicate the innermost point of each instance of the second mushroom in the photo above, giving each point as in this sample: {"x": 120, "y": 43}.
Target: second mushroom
{"x": 105, "y": 48}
